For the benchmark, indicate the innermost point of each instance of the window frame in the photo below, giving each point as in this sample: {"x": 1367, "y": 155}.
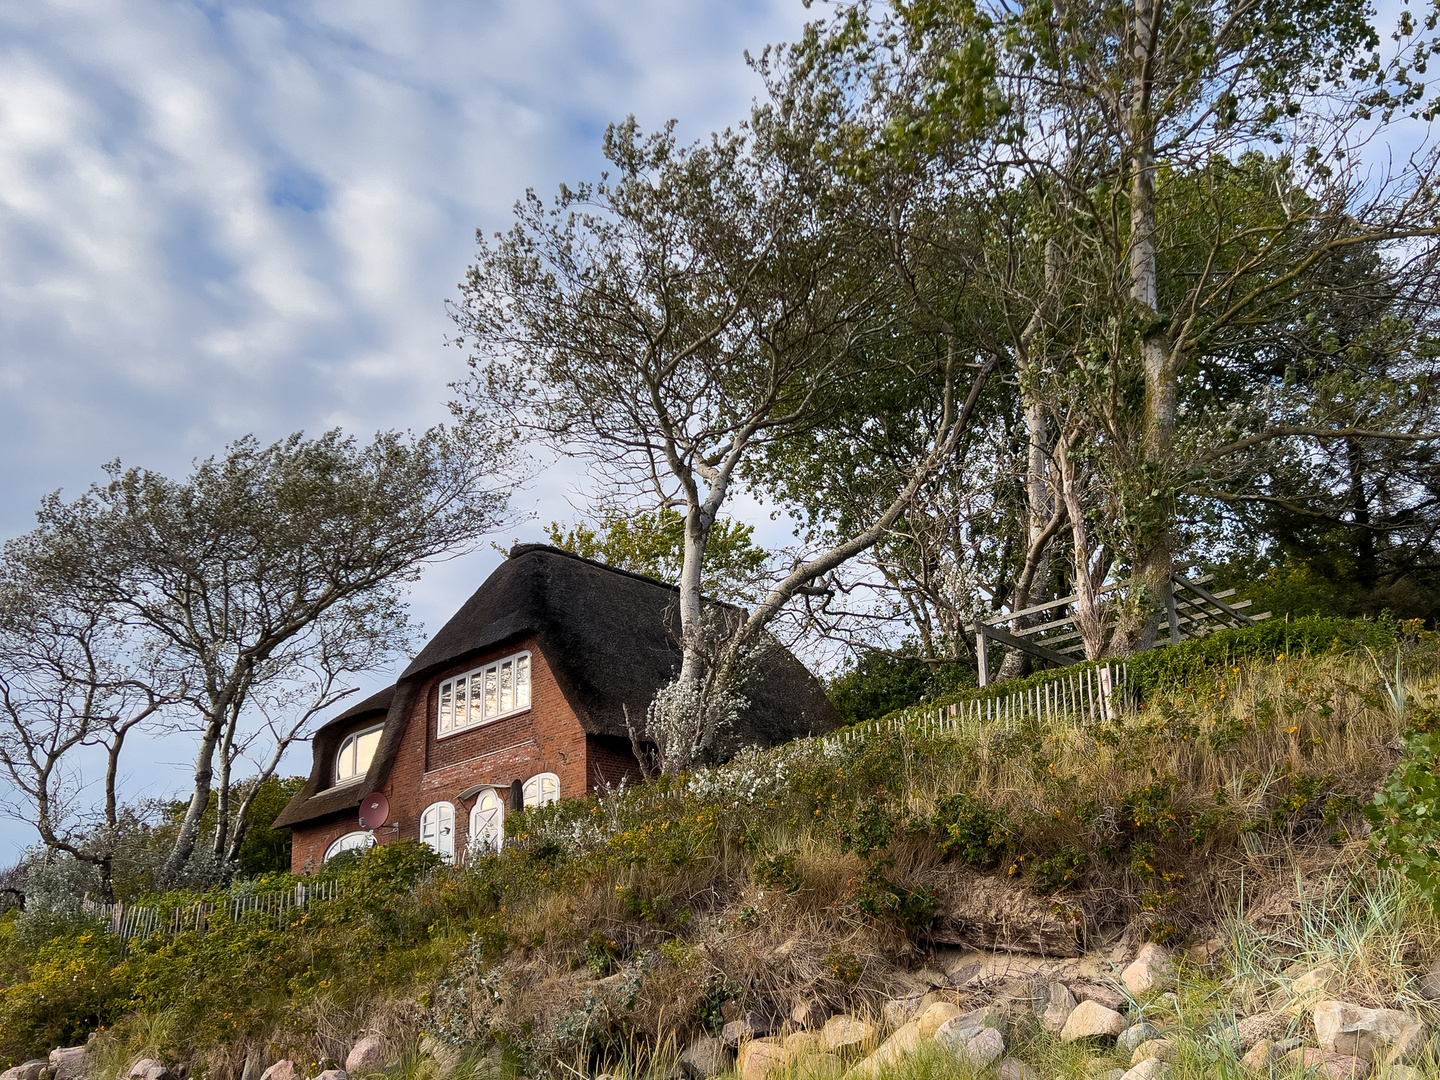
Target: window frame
{"x": 439, "y": 846}
{"x": 349, "y": 740}
{"x": 363, "y": 841}
{"x": 539, "y": 781}
{"x": 447, "y": 699}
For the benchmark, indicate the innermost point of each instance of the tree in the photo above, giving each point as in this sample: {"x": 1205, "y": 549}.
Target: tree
{"x": 653, "y": 543}
{"x": 257, "y": 584}
{"x": 673, "y": 323}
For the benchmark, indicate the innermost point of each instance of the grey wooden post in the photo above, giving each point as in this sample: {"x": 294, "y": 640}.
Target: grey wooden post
{"x": 980, "y": 653}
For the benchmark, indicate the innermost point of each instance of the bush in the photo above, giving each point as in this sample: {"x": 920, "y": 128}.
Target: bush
{"x": 1406, "y": 815}
{"x": 971, "y": 829}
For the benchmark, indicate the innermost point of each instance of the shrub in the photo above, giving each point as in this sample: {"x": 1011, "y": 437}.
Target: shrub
{"x": 1406, "y": 815}
{"x": 971, "y": 829}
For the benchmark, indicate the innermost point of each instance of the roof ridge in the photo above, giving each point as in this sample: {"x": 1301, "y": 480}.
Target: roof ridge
{"x": 551, "y": 549}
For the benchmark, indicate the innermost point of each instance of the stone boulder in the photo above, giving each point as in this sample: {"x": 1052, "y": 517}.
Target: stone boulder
{"x": 1091, "y": 1020}
{"x": 1159, "y": 1049}
{"x": 150, "y": 1069}
{"x": 901, "y": 1010}
{"x": 333, "y": 1074}
{"x": 810, "y": 1013}
{"x": 1429, "y": 984}
{"x": 982, "y": 1049}
{"x": 1383, "y": 1035}
{"x": 935, "y": 1014}
{"x": 1104, "y": 995}
{"x": 1149, "y": 1069}
{"x": 1327, "y": 1064}
{"x": 1269, "y": 1026}
{"x": 761, "y": 1058}
{"x": 1014, "y": 1069}
{"x": 1150, "y": 968}
{"x": 1136, "y": 1034}
{"x": 67, "y": 1062}
{"x": 26, "y": 1070}
{"x": 284, "y": 1069}
{"x": 748, "y": 1026}
{"x": 905, "y": 1041}
{"x": 366, "y": 1056}
{"x": 1311, "y": 985}
{"x": 846, "y": 1033}
{"x": 705, "y": 1058}
{"x": 1259, "y": 1056}
{"x": 1059, "y": 1004}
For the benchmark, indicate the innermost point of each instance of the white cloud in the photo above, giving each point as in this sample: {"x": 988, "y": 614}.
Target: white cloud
{"x": 221, "y": 217}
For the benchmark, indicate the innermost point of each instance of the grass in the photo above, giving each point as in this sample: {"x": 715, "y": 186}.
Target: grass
{"x": 611, "y": 931}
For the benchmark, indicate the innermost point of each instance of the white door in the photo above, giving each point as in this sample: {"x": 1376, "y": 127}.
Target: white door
{"x": 487, "y": 822}
{"x": 437, "y": 828}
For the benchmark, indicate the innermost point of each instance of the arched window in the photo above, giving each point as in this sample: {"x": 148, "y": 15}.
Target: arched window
{"x": 356, "y": 754}
{"x": 437, "y": 828}
{"x": 542, "y": 788}
{"x": 351, "y": 841}
{"x": 487, "y": 822}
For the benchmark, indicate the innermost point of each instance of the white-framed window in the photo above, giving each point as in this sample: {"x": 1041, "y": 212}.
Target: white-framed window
{"x": 351, "y": 841}
{"x": 542, "y": 788}
{"x": 437, "y": 828}
{"x": 356, "y": 753}
{"x": 485, "y": 694}
{"x": 487, "y": 822}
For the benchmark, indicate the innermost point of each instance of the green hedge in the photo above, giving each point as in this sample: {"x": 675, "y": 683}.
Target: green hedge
{"x": 1173, "y": 667}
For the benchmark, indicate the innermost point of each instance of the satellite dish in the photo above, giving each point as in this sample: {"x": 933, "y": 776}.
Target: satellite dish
{"x": 374, "y": 811}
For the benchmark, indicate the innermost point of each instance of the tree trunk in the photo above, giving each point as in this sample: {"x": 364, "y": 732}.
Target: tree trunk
{"x": 1367, "y": 571}
{"x": 199, "y": 800}
{"x": 1037, "y": 552}
{"x": 1154, "y": 559}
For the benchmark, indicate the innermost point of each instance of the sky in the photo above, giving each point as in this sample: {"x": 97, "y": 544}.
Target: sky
{"x": 222, "y": 218}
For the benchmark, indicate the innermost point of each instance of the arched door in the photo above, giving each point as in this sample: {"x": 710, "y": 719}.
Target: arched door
{"x": 487, "y": 822}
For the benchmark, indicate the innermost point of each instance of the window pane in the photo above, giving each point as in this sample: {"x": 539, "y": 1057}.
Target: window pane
{"x": 490, "y": 695}
{"x": 345, "y": 760}
{"x": 365, "y": 747}
{"x": 446, "y": 690}
{"x": 462, "y": 703}
{"x": 522, "y": 682}
{"x": 507, "y": 688}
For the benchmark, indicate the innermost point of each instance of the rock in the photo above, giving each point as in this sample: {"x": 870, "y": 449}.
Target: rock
{"x": 900, "y": 1010}
{"x": 1136, "y": 1034}
{"x": 67, "y": 1062}
{"x": 1060, "y": 1003}
{"x": 284, "y": 1069}
{"x": 936, "y": 1014}
{"x": 251, "y": 1070}
{"x": 904, "y": 1041}
{"x": 1269, "y": 1026}
{"x": 1429, "y": 983}
{"x": 1207, "y": 953}
{"x": 1311, "y": 984}
{"x": 1110, "y": 1074}
{"x": 761, "y": 1058}
{"x": 991, "y": 1016}
{"x": 1148, "y": 970}
{"x": 1149, "y": 1069}
{"x": 27, "y": 1070}
{"x": 1159, "y": 1049}
{"x": 366, "y": 1056}
{"x": 1104, "y": 995}
{"x": 333, "y": 1074}
{"x": 802, "y": 1044}
{"x": 705, "y": 1058}
{"x": 846, "y": 1032}
{"x": 1383, "y": 1035}
{"x": 810, "y": 1013}
{"x": 150, "y": 1069}
{"x": 963, "y": 974}
{"x": 1091, "y": 1020}
{"x": 1259, "y": 1056}
{"x": 981, "y": 1050}
{"x": 1014, "y": 1069}
{"x": 1331, "y": 1065}
{"x": 750, "y": 1025}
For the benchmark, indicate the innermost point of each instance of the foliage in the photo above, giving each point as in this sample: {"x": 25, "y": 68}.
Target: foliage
{"x": 1406, "y": 815}
{"x": 971, "y": 830}
{"x": 878, "y": 682}
{"x": 653, "y": 543}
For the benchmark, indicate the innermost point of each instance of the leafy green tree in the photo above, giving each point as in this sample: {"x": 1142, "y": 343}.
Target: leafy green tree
{"x": 653, "y": 543}
{"x": 247, "y": 593}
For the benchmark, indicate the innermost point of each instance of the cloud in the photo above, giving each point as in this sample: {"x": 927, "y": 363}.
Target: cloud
{"x": 221, "y": 218}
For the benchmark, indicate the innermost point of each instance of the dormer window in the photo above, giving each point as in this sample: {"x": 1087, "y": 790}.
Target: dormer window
{"x": 356, "y": 754}
{"x": 485, "y": 694}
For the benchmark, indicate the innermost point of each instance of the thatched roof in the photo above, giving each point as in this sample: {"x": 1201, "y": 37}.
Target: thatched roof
{"x": 611, "y": 639}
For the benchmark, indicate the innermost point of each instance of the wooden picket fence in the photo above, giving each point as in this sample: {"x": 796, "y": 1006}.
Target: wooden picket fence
{"x": 1087, "y": 696}
{"x": 136, "y": 922}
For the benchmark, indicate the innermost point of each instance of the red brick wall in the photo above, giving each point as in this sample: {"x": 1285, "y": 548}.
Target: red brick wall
{"x": 428, "y": 769}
